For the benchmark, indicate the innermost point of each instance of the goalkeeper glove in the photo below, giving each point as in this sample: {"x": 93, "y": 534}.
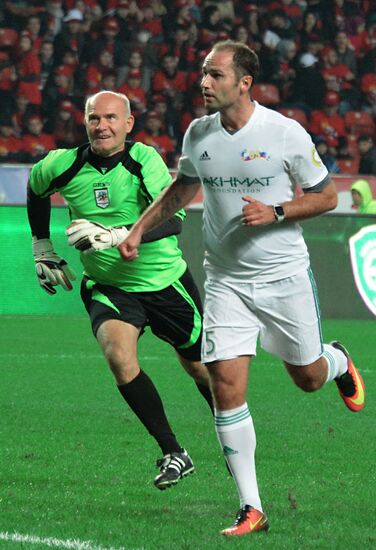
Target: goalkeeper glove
{"x": 89, "y": 237}
{"x": 50, "y": 268}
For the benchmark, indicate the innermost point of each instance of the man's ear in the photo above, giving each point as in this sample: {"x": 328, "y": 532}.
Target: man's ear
{"x": 246, "y": 82}
{"x": 130, "y": 123}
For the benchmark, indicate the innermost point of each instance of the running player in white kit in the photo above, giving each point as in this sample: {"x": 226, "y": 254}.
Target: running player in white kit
{"x": 259, "y": 284}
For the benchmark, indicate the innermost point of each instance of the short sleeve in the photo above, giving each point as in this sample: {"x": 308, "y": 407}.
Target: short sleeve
{"x": 301, "y": 159}
{"x": 185, "y": 165}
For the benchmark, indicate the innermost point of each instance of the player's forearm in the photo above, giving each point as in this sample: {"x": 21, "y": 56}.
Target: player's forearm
{"x": 176, "y": 196}
{"x": 39, "y": 212}
{"x": 311, "y": 204}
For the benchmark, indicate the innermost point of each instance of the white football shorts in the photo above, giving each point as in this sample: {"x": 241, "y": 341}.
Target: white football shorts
{"x": 283, "y": 314}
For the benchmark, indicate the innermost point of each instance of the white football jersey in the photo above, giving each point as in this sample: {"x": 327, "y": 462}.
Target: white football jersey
{"x": 266, "y": 159}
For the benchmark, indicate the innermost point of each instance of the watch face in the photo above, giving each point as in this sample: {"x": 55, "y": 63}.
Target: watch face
{"x": 279, "y": 210}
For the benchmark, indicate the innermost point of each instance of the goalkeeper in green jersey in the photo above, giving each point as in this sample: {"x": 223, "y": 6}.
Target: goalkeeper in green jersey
{"x": 107, "y": 184}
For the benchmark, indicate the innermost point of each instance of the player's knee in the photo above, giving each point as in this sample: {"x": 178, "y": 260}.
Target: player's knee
{"x": 308, "y": 384}
{"x": 119, "y": 358}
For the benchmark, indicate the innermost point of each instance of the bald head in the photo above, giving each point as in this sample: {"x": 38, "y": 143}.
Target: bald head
{"x": 105, "y": 96}
{"x": 108, "y": 121}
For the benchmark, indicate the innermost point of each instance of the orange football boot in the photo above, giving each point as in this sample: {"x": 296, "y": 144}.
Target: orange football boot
{"x": 350, "y": 384}
{"x": 248, "y": 520}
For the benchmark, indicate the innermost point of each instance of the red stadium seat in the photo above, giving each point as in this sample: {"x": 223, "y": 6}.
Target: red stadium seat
{"x": 8, "y": 38}
{"x": 359, "y": 122}
{"x": 297, "y": 114}
{"x": 266, "y": 94}
{"x": 348, "y": 166}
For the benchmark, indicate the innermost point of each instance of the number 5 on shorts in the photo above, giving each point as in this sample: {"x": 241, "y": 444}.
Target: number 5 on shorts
{"x": 209, "y": 341}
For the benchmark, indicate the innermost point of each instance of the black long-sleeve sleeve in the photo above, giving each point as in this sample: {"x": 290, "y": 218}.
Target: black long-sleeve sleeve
{"x": 172, "y": 226}
{"x": 39, "y": 213}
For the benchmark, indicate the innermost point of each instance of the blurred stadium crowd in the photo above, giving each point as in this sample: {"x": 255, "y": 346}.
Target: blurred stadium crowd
{"x": 318, "y": 65}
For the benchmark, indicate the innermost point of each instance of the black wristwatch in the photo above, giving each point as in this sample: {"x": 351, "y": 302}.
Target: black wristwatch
{"x": 279, "y": 213}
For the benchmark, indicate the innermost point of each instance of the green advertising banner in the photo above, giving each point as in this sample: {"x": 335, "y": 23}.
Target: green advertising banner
{"x": 327, "y": 238}
{"x": 363, "y": 263}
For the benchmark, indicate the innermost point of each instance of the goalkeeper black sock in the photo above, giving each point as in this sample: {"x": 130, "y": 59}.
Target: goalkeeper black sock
{"x": 144, "y": 400}
{"x": 206, "y": 394}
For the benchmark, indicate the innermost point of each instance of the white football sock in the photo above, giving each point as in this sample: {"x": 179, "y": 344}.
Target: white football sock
{"x": 237, "y": 438}
{"x": 336, "y": 360}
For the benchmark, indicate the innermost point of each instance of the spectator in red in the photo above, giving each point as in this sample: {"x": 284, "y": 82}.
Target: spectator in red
{"x": 211, "y": 26}
{"x": 328, "y": 123}
{"x": 252, "y": 22}
{"x": 70, "y": 61}
{"x": 109, "y": 40}
{"x": 357, "y": 36}
{"x": 35, "y": 143}
{"x": 169, "y": 80}
{"x": 33, "y": 27}
{"x": 28, "y": 69}
{"x": 96, "y": 71}
{"x": 339, "y": 78}
{"x": 23, "y": 110}
{"x": 10, "y": 144}
{"x": 332, "y": 68}
{"x": 134, "y": 91}
{"x": 153, "y": 23}
{"x": 196, "y": 109}
{"x": 109, "y": 81}
{"x": 136, "y": 62}
{"x": 60, "y": 87}
{"x": 368, "y": 88}
{"x": 154, "y": 135}
{"x": 170, "y": 116}
{"x": 71, "y": 37}
{"x": 286, "y": 68}
{"x": 66, "y": 127}
{"x": 8, "y": 78}
{"x": 149, "y": 52}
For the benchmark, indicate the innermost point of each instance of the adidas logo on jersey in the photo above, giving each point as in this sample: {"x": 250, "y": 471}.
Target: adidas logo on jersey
{"x": 205, "y": 156}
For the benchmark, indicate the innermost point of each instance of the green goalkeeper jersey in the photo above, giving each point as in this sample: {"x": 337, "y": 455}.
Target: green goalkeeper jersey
{"x": 114, "y": 191}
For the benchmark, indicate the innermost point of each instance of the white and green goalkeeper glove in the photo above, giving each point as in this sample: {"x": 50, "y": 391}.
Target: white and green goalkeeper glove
{"x": 50, "y": 268}
{"x": 89, "y": 237}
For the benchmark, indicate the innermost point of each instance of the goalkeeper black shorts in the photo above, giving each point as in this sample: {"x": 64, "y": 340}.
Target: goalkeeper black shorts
{"x": 173, "y": 314}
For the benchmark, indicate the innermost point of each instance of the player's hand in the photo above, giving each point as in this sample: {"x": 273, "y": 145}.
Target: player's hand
{"x": 256, "y": 212}
{"x": 50, "y": 268}
{"x": 129, "y": 247}
{"x": 89, "y": 237}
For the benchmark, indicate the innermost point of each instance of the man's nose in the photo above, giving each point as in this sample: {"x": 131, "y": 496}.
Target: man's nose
{"x": 204, "y": 81}
{"x": 101, "y": 123}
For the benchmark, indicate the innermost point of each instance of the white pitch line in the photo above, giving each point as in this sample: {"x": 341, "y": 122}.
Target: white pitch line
{"x": 55, "y": 543}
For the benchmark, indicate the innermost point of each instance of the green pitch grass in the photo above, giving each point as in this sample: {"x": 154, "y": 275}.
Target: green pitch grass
{"x": 77, "y": 465}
